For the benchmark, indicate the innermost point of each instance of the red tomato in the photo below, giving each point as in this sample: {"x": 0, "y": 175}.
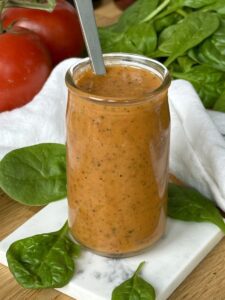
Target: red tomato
{"x": 25, "y": 64}
{"x": 59, "y": 30}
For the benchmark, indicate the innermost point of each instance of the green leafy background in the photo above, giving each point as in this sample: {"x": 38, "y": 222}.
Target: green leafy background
{"x": 188, "y": 36}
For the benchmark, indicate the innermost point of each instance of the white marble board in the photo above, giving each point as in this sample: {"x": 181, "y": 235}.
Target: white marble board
{"x": 167, "y": 263}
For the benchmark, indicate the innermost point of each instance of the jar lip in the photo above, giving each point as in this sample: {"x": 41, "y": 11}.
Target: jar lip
{"x": 123, "y": 57}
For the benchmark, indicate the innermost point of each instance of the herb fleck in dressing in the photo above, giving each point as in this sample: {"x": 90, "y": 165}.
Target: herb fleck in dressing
{"x": 117, "y": 160}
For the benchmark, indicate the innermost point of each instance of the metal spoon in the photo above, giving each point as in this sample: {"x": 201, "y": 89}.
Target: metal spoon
{"x": 90, "y": 33}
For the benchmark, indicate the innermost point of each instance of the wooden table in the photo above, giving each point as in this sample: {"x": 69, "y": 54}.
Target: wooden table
{"x": 206, "y": 282}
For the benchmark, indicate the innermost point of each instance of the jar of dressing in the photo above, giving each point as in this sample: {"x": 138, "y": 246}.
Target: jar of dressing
{"x": 118, "y": 129}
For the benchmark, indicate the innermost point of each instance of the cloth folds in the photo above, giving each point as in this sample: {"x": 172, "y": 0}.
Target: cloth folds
{"x": 197, "y": 153}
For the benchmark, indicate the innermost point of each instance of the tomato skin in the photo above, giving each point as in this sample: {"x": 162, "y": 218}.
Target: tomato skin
{"x": 59, "y": 30}
{"x": 25, "y": 64}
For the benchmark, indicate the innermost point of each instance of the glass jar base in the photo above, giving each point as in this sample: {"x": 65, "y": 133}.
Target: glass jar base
{"x": 118, "y": 255}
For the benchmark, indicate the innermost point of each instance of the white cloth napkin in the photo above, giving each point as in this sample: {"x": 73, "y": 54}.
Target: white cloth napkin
{"x": 197, "y": 148}
{"x": 197, "y": 153}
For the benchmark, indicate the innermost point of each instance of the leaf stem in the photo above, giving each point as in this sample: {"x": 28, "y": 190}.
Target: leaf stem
{"x": 169, "y": 60}
{"x": 139, "y": 268}
{"x": 182, "y": 12}
{"x": 156, "y": 11}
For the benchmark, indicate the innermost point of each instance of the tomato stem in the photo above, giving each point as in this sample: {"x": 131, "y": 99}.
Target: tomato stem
{"x": 48, "y": 5}
{"x": 2, "y": 5}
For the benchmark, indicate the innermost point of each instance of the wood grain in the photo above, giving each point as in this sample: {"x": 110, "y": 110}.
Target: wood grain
{"x": 206, "y": 282}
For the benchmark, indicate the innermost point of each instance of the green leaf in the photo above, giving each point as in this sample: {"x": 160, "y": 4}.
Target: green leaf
{"x": 197, "y": 3}
{"x": 135, "y": 288}
{"x": 208, "y": 82}
{"x": 176, "y": 5}
{"x": 217, "y": 5}
{"x": 173, "y": 6}
{"x": 44, "y": 260}
{"x": 167, "y": 21}
{"x": 210, "y": 55}
{"x": 188, "y": 33}
{"x": 220, "y": 103}
{"x": 218, "y": 38}
{"x": 193, "y": 54}
{"x": 187, "y": 204}
{"x": 135, "y": 13}
{"x": 35, "y": 175}
{"x": 110, "y": 40}
{"x": 185, "y": 63}
{"x": 141, "y": 39}
{"x": 166, "y": 35}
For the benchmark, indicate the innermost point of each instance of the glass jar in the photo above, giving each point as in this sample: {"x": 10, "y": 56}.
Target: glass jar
{"x": 117, "y": 163}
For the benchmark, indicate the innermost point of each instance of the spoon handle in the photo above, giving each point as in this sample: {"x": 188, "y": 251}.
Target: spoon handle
{"x": 89, "y": 28}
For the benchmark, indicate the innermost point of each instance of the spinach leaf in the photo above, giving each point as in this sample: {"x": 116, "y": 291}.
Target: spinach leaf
{"x": 208, "y": 82}
{"x": 210, "y": 55}
{"x": 193, "y": 54}
{"x": 197, "y": 3}
{"x": 185, "y": 63}
{"x": 129, "y": 34}
{"x": 141, "y": 39}
{"x": 167, "y": 21}
{"x": 134, "y": 288}
{"x": 136, "y": 13}
{"x": 188, "y": 33}
{"x": 173, "y": 6}
{"x": 166, "y": 35}
{"x": 217, "y": 5}
{"x": 220, "y": 103}
{"x": 176, "y": 5}
{"x": 35, "y": 175}
{"x": 187, "y": 204}
{"x": 111, "y": 41}
{"x": 218, "y": 38}
{"x": 44, "y": 260}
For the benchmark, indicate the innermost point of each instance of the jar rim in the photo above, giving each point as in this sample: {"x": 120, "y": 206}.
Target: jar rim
{"x": 120, "y": 59}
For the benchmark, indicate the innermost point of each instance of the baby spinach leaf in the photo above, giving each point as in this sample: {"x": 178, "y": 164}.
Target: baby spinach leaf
{"x": 173, "y": 6}
{"x": 43, "y": 260}
{"x": 218, "y": 38}
{"x": 35, "y": 175}
{"x": 197, "y": 3}
{"x": 210, "y": 55}
{"x": 176, "y": 5}
{"x": 166, "y": 35}
{"x": 193, "y": 54}
{"x": 111, "y": 41}
{"x": 187, "y": 204}
{"x": 134, "y": 288}
{"x": 217, "y": 5}
{"x": 167, "y": 21}
{"x": 185, "y": 63}
{"x": 220, "y": 103}
{"x": 141, "y": 39}
{"x": 135, "y": 13}
{"x": 190, "y": 32}
{"x": 208, "y": 82}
